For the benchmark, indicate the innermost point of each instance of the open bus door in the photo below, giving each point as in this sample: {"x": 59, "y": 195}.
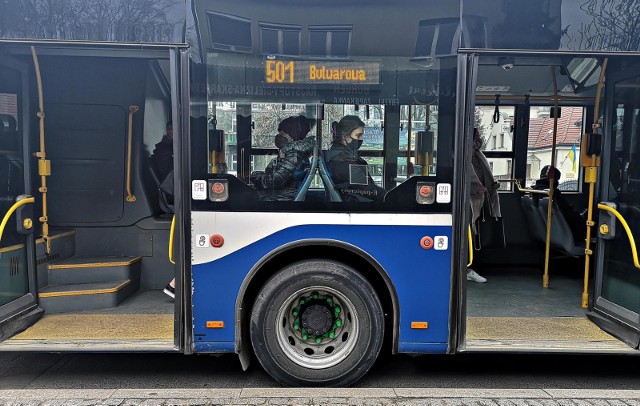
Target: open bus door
{"x": 616, "y": 306}
{"x": 17, "y": 265}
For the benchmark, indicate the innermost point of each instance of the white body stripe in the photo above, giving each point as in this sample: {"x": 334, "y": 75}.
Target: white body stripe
{"x": 240, "y": 229}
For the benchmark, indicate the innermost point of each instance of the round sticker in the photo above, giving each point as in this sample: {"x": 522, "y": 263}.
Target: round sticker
{"x": 218, "y": 188}
{"x": 217, "y": 240}
{"x": 426, "y": 243}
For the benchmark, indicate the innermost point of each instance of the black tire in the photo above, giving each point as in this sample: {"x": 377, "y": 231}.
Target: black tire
{"x": 339, "y": 359}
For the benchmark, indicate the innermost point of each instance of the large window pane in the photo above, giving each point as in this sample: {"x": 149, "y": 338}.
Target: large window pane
{"x": 496, "y": 136}
{"x": 569, "y": 131}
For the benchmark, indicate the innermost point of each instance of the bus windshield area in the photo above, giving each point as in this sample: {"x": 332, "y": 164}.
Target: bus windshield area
{"x": 373, "y": 123}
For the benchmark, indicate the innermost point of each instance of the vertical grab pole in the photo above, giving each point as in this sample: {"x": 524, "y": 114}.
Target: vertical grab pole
{"x": 590, "y": 176}
{"x": 409, "y": 164}
{"x": 44, "y": 165}
{"x": 130, "y": 196}
{"x": 551, "y": 174}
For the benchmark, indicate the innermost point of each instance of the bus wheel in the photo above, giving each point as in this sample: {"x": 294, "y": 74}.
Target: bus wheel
{"x": 317, "y": 323}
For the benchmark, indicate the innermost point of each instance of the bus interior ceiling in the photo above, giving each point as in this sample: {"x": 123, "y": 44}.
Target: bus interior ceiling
{"x": 103, "y": 277}
{"x": 513, "y": 309}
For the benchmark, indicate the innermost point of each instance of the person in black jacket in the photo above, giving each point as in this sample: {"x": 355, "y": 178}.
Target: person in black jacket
{"x": 348, "y": 170}
{"x": 575, "y": 220}
{"x": 162, "y": 157}
{"x": 282, "y": 176}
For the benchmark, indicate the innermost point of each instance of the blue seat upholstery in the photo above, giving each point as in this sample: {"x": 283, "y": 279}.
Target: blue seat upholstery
{"x": 562, "y": 241}
{"x": 535, "y": 221}
{"x": 306, "y": 182}
{"x": 318, "y": 165}
{"x": 561, "y": 234}
{"x": 329, "y": 186}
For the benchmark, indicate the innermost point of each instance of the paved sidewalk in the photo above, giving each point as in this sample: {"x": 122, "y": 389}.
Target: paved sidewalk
{"x": 321, "y": 396}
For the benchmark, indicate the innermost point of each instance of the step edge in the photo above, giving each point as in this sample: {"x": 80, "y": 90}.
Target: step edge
{"x": 95, "y": 264}
{"x": 114, "y": 289}
{"x": 56, "y": 236}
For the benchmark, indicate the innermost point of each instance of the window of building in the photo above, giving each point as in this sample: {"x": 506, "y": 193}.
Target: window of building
{"x": 330, "y": 41}
{"x": 280, "y": 39}
{"x": 437, "y": 37}
{"x": 229, "y": 32}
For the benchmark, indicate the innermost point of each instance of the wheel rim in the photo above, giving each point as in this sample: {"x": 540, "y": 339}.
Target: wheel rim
{"x": 317, "y": 327}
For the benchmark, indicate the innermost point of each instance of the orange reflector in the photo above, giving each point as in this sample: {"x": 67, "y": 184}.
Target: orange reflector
{"x": 419, "y": 324}
{"x": 215, "y": 324}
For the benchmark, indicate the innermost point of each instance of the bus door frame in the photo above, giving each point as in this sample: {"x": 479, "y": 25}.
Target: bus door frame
{"x": 180, "y": 107}
{"x": 615, "y": 319}
{"x": 465, "y": 102}
{"x": 28, "y": 300}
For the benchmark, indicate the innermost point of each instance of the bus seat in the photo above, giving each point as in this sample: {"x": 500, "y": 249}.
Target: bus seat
{"x": 306, "y": 182}
{"x": 535, "y": 221}
{"x": 164, "y": 199}
{"x": 329, "y": 186}
{"x": 561, "y": 235}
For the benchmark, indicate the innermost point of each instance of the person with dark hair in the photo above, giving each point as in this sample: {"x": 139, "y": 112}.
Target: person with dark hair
{"x": 282, "y": 176}
{"x": 162, "y": 157}
{"x": 349, "y": 171}
{"x": 162, "y": 162}
{"x": 575, "y": 221}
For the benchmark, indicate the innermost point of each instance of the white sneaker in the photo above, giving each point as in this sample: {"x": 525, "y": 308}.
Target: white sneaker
{"x": 473, "y": 276}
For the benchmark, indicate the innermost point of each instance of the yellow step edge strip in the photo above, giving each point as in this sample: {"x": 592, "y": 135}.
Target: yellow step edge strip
{"x": 95, "y": 264}
{"x": 55, "y": 237}
{"x": 85, "y": 292}
{"x": 11, "y": 248}
{"x": 38, "y": 241}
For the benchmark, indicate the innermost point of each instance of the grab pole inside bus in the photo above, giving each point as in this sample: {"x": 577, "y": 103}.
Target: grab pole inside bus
{"x": 551, "y": 175}
{"x": 44, "y": 165}
{"x": 590, "y": 164}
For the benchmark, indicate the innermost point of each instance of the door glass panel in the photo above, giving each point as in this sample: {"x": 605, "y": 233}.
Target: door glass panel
{"x": 13, "y": 260}
{"x": 621, "y": 280}
{"x": 569, "y": 130}
{"x": 497, "y": 140}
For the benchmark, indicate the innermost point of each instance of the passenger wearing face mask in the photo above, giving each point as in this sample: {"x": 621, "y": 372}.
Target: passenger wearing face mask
{"x": 348, "y": 170}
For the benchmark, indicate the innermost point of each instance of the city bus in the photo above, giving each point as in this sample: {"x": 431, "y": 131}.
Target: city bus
{"x": 314, "y": 289}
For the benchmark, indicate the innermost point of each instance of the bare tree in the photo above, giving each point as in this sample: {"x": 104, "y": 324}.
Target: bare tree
{"x": 106, "y": 20}
{"x": 615, "y": 26}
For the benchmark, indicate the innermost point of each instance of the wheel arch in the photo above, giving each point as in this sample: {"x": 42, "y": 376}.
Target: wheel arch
{"x": 317, "y": 249}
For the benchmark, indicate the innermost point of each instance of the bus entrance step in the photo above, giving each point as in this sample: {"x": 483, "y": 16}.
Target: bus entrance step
{"x": 85, "y": 296}
{"x": 93, "y": 269}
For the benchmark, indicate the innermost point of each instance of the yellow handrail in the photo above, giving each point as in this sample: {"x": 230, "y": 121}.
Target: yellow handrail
{"x": 525, "y": 190}
{"x": 173, "y": 226}
{"x": 11, "y": 210}
{"x": 44, "y": 165}
{"x": 632, "y": 241}
{"x": 590, "y": 177}
{"x": 470, "y": 247}
{"x": 551, "y": 175}
{"x": 130, "y": 196}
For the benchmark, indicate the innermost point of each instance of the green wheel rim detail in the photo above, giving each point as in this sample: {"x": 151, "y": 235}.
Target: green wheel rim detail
{"x": 322, "y": 350}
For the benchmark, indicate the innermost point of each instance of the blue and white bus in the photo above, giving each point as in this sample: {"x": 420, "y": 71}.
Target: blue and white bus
{"x": 317, "y": 287}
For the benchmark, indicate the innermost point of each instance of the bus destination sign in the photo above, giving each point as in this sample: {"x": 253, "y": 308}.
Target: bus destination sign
{"x": 282, "y": 72}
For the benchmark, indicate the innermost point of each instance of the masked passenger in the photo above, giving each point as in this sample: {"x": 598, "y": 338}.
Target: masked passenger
{"x": 282, "y": 176}
{"x": 348, "y": 170}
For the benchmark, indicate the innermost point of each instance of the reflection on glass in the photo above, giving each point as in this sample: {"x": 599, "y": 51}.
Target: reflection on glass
{"x": 621, "y": 282}
{"x": 13, "y": 265}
